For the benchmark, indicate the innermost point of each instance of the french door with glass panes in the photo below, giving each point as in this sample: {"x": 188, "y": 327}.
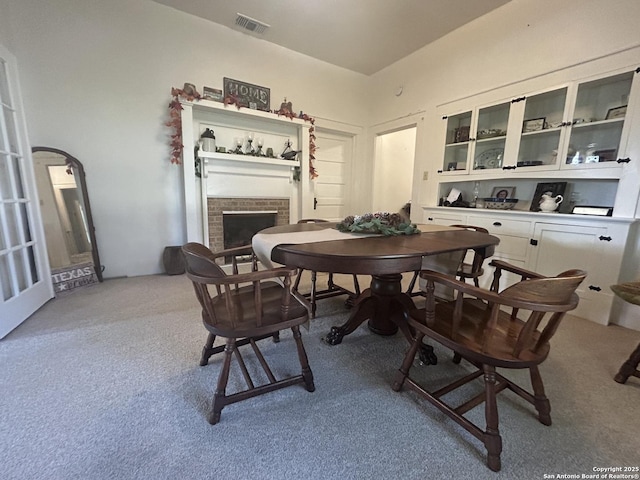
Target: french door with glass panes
{"x": 25, "y": 278}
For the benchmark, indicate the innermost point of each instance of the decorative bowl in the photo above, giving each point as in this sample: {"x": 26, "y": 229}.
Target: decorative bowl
{"x": 500, "y": 203}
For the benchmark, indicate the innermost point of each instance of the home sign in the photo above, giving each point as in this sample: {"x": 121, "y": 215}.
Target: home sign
{"x": 247, "y": 95}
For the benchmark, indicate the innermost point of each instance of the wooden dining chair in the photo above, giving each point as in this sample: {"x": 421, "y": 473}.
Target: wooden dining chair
{"x": 332, "y": 288}
{"x": 244, "y": 308}
{"x": 473, "y": 270}
{"x": 629, "y": 292}
{"x": 509, "y": 329}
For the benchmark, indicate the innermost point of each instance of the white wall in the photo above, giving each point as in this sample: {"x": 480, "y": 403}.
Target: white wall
{"x": 96, "y": 79}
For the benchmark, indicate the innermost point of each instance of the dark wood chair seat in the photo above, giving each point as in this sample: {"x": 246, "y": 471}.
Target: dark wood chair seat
{"x": 491, "y": 329}
{"x": 244, "y": 308}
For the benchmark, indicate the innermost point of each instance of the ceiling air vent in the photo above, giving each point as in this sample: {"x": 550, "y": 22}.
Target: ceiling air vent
{"x": 251, "y": 24}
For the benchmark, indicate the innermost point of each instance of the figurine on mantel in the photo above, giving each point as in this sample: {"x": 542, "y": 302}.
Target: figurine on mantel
{"x": 288, "y": 153}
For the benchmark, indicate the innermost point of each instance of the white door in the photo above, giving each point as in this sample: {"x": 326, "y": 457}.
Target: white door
{"x": 25, "y": 278}
{"x": 333, "y": 163}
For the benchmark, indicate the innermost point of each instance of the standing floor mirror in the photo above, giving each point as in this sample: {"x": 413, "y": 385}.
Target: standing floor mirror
{"x": 66, "y": 216}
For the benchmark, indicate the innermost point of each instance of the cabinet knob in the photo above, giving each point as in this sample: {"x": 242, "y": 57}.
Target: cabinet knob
{"x": 439, "y": 171}
{"x": 430, "y": 219}
{"x": 497, "y": 224}
{"x": 509, "y": 167}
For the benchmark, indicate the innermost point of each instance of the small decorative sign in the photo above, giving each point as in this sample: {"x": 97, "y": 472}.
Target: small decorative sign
{"x": 214, "y": 94}
{"x": 69, "y": 278}
{"x": 247, "y": 95}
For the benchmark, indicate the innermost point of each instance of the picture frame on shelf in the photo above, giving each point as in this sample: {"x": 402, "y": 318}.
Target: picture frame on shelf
{"x": 503, "y": 192}
{"x": 617, "y": 112}
{"x": 551, "y": 188}
{"x": 452, "y": 166}
{"x": 214, "y": 94}
{"x": 607, "y": 155}
{"x": 461, "y": 134}
{"x": 533, "y": 125}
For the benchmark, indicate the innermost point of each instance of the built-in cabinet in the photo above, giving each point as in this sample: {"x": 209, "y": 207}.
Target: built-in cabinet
{"x": 574, "y": 131}
{"x": 581, "y": 131}
{"x": 550, "y": 244}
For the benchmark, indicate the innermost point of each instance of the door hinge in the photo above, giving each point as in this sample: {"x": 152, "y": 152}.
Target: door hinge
{"x": 605, "y": 239}
{"x": 315, "y": 203}
{"x": 593, "y": 287}
{"x": 533, "y": 242}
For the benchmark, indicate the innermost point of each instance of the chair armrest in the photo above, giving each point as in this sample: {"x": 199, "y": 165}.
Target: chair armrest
{"x": 499, "y": 264}
{"x": 460, "y": 286}
{"x": 242, "y": 250}
{"x": 476, "y": 292}
{"x": 249, "y": 277}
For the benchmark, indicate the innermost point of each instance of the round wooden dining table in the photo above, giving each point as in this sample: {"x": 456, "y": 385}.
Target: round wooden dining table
{"x": 384, "y": 258}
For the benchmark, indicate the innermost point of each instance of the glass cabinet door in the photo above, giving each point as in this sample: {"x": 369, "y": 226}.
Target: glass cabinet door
{"x": 457, "y": 143}
{"x": 542, "y": 129}
{"x": 598, "y": 118}
{"x": 491, "y": 136}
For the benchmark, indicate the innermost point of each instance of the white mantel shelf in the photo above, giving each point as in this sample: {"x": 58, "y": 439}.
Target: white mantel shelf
{"x": 209, "y": 105}
{"x": 247, "y": 159}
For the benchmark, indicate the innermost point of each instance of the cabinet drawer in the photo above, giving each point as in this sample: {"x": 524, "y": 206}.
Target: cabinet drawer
{"x": 438, "y": 218}
{"x": 502, "y": 226}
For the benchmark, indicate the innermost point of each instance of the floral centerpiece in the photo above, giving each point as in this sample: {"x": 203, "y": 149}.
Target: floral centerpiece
{"x": 383, "y": 223}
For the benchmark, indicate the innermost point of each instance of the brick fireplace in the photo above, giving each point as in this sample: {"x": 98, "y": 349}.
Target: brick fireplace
{"x": 217, "y": 205}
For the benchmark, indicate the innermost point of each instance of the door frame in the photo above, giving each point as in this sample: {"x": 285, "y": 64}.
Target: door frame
{"x": 356, "y": 133}
{"x": 410, "y": 121}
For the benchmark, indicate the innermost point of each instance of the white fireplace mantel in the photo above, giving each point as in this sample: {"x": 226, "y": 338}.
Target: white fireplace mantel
{"x": 243, "y": 176}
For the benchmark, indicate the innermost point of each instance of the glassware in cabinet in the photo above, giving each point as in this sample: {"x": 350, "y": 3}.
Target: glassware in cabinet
{"x": 598, "y": 120}
{"x": 457, "y": 142}
{"x": 542, "y": 128}
{"x": 491, "y": 136}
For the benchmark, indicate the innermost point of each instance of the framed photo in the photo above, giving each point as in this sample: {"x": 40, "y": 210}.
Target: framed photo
{"x": 214, "y": 94}
{"x": 550, "y": 188}
{"x": 452, "y": 166}
{"x": 503, "y": 192}
{"x": 608, "y": 155}
{"x": 533, "y": 125}
{"x": 618, "y": 112}
{"x": 461, "y": 134}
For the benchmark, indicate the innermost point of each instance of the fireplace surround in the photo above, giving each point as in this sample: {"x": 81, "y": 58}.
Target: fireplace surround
{"x": 217, "y": 205}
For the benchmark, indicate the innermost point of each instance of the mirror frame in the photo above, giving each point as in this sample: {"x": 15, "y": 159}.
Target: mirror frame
{"x": 82, "y": 184}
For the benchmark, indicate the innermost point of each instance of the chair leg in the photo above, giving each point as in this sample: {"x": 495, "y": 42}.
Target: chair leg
{"x": 403, "y": 372}
{"x": 629, "y": 368}
{"x": 219, "y": 397}
{"x": 312, "y": 296}
{"x": 307, "y": 374}
{"x": 541, "y": 402}
{"x": 207, "y": 350}
{"x": 491, "y": 438}
{"x": 276, "y": 337}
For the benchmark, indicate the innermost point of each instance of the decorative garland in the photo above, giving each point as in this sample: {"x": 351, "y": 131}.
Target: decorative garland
{"x": 175, "y": 123}
{"x": 383, "y": 223}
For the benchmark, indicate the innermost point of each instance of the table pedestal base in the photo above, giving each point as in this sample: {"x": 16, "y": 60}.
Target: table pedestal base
{"x": 387, "y": 309}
